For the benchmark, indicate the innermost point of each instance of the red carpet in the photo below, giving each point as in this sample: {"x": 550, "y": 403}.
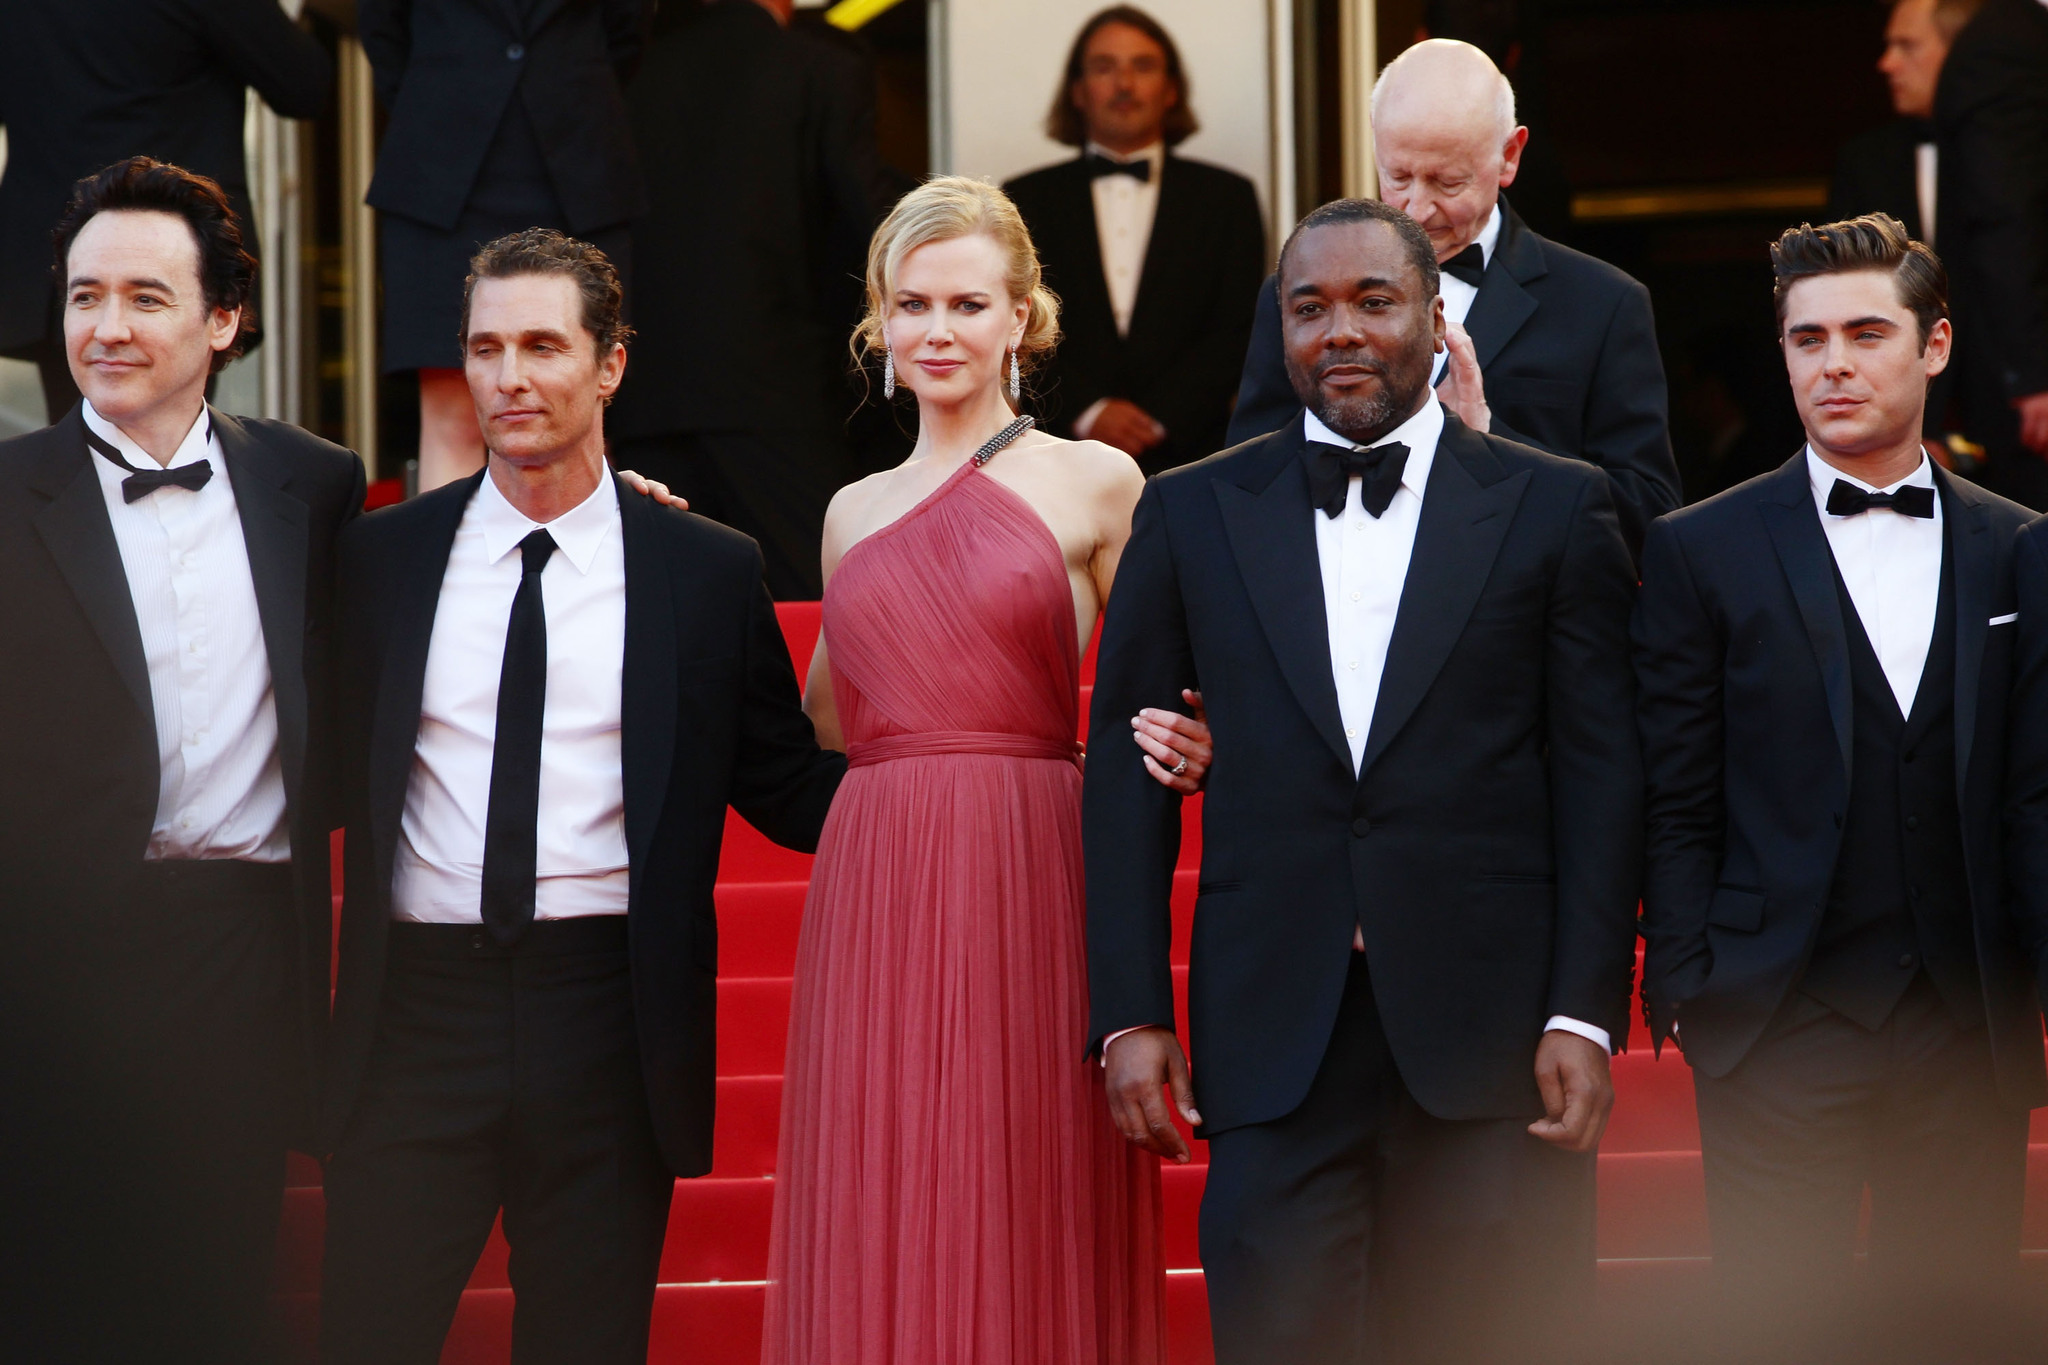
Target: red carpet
{"x": 1653, "y": 1234}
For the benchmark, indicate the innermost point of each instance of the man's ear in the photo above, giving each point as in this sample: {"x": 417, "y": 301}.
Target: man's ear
{"x": 611, "y": 371}
{"x": 1511, "y": 156}
{"x": 223, "y": 325}
{"x": 1438, "y": 325}
{"x": 1935, "y": 350}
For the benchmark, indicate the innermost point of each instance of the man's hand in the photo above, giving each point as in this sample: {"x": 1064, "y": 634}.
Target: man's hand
{"x": 1142, "y": 1064}
{"x": 2034, "y": 422}
{"x": 1461, "y": 388}
{"x": 1126, "y": 426}
{"x": 1169, "y": 738}
{"x": 1578, "y": 1091}
{"x": 652, "y": 488}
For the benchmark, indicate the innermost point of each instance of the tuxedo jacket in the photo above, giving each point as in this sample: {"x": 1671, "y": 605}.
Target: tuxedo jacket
{"x": 84, "y": 83}
{"x": 1744, "y": 704}
{"x": 79, "y": 768}
{"x": 1192, "y": 316}
{"x": 1489, "y": 847}
{"x": 447, "y": 70}
{"x": 1568, "y": 353}
{"x": 711, "y": 717}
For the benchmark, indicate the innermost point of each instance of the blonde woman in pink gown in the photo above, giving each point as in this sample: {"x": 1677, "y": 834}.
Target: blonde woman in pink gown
{"x": 950, "y": 1189}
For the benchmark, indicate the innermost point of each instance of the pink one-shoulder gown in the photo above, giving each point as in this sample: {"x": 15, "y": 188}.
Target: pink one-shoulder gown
{"x": 950, "y": 1189}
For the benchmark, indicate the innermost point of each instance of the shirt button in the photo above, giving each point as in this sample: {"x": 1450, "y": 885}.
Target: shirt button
{"x": 1350, "y": 733}
{"x": 1906, "y": 960}
{"x": 515, "y": 52}
{"x": 1352, "y": 664}
{"x": 1354, "y": 597}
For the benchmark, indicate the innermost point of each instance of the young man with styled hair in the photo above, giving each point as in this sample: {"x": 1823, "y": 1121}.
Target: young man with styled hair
{"x": 1824, "y": 657}
{"x": 552, "y": 693}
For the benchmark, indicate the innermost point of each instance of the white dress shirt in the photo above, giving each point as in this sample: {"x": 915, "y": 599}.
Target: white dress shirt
{"x": 1458, "y": 295}
{"x": 1364, "y": 562}
{"x": 220, "y": 790}
{"x": 1124, "y": 209}
{"x": 1891, "y": 565}
{"x": 581, "y": 843}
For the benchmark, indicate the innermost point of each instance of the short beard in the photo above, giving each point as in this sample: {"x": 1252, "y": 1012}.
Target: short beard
{"x": 1365, "y": 418}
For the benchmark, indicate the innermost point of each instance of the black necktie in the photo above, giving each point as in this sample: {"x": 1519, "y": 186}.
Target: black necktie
{"x": 511, "y": 826}
{"x": 1099, "y": 166}
{"x": 142, "y": 482}
{"x": 1468, "y": 265}
{"x": 1330, "y": 468}
{"x": 1845, "y": 499}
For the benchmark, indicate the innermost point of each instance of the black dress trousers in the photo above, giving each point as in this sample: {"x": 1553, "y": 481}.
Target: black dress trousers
{"x": 502, "y": 1077}
{"x": 1359, "y": 1229}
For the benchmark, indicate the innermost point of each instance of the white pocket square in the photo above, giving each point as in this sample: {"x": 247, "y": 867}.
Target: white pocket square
{"x": 2004, "y": 620}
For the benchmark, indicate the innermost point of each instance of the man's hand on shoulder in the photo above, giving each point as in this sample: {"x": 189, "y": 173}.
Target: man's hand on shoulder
{"x": 652, "y": 488}
{"x": 1462, "y": 389}
{"x": 1143, "y": 1064}
{"x": 1578, "y": 1091}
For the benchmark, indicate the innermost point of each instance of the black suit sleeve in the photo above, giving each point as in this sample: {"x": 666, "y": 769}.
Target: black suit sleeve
{"x": 1210, "y": 354}
{"x": 384, "y": 27}
{"x": 782, "y": 782}
{"x": 1595, "y": 770}
{"x": 269, "y": 53}
{"x": 1265, "y": 396}
{"x": 1131, "y": 823}
{"x": 2026, "y": 844}
{"x": 1679, "y": 665}
{"x": 1627, "y": 424}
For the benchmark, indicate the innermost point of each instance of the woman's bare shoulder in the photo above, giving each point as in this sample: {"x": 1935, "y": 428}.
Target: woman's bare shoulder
{"x": 1101, "y": 471}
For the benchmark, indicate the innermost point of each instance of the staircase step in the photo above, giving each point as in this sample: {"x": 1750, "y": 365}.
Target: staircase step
{"x": 1653, "y": 1105}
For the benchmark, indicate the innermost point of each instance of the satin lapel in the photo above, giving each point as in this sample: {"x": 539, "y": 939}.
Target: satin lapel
{"x": 1273, "y": 540}
{"x": 1809, "y": 565}
{"x": 1084, "y": 288}
{"x": 647, "y": 725}
{"x": 1969, "y": 541}
{"x": 395, "y": 727}
{"x": 274, "y": 529}
{"x": 79, "y": 535}
{"x": 1456, "y": 541}
{"x": 1502, "y": 305}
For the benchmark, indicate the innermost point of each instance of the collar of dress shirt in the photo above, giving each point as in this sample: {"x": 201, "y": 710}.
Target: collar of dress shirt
{"x": 578, "y": 532}
{"x": 197, "y": 445}
{"x": 1156, "y": 153}
{"x": 1419, "y": 433}
{"x": 1822, "y": 476}
{"x": 1489, "y": 236}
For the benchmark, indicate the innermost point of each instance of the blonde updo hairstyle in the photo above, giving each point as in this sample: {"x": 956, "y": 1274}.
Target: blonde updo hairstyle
{"x": 941, "y": 209}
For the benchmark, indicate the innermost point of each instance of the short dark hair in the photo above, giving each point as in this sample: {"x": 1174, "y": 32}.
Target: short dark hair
{"x": 141, "y": 184}
{"x": 1420, "y": 253}
{"x": 1063, "y": 123}
{"x": 544, "y": 251}
{"x": 1876, "y": 241}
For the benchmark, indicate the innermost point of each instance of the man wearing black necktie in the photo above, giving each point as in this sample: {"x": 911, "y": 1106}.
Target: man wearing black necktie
{"x": 1413, "y": 937}
{"x": 1155, "y": 257}
{"x": 1824, "y": 658}
{"x": 1547, "y": 346}
{"x": 164, "y": 883}
{"x": 550, "y": 696}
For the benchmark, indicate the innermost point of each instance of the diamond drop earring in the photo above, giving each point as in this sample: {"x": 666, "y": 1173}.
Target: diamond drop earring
{"x": 1016, "y": 379}
{"x": 888, "y": 373}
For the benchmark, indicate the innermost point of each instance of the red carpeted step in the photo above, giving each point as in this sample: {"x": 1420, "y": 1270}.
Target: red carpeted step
{"x": 749, "y": 1115}
{"x": 1653, "y": 1106}
{"x": 753, "y": 1025}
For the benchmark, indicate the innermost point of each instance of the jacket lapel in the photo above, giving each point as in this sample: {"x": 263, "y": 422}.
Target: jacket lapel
{"x": 1467, "y": 507}
{"x": 1969, "y": 539}
{"x": 1268, "y": 519}
{"x": 79, "y": 535}
{"x": 1809, "y": 566}
{"x": 1084, "y": 290}
{"x": 274, "y": 529}
{"x": 395, "y": 730}
{"x": 1502, "y": 305}
{"x": 1162, "y": 269}
{"x": 647, "y": 708}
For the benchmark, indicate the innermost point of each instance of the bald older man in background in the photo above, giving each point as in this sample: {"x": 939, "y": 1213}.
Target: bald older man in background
{"x": 1546, "y": 346}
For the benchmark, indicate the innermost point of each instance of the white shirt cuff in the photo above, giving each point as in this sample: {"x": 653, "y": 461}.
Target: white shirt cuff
{"x": 1084, "y": 424}
{"x": 1584, "y": 1030}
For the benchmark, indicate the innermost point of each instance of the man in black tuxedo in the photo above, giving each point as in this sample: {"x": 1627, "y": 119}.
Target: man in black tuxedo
{"x": 762, "y": 200}
{"x": 1155, "y": 257}
{"x": 1547, "y": 346}
{"x": 550, "y": 695}
{"x": 164, "y": 884}
{"x": 86, "y": 83}
{"x": 1414, "y": 937}
{"x": 1824, "y": 657}
{"x": 1991, "y": 126}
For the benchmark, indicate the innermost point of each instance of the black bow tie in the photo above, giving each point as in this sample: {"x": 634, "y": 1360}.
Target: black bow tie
{"x": 1468, "y": 265}
{"x": 140, "y": 483}
{"x": 1100, "y": 165}
{"x": 1331, "y": 468}
{"x": 1845, "y": 499}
